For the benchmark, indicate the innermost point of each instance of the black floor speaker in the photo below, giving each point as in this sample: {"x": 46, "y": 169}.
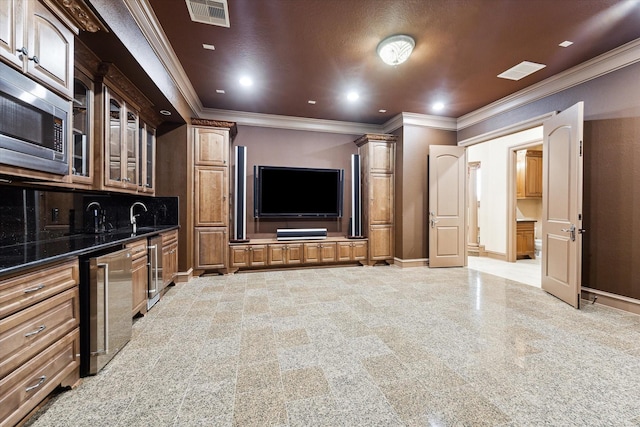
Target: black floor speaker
{"x": 355, "y": 222}
{"x": 239, "y": 233}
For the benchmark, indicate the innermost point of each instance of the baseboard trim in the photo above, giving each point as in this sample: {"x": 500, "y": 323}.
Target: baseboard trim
{"x": 407, "y": 263}
{"x": 495, "y": 255}
{"x": 620, "y": 302}
{"x": 184, "y": 276}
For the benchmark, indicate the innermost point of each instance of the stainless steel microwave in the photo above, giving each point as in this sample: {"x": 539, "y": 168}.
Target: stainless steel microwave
{"x": 33, "y": 124}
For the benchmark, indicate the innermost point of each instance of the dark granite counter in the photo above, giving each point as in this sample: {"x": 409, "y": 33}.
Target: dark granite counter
{"x": 21, "y": 256}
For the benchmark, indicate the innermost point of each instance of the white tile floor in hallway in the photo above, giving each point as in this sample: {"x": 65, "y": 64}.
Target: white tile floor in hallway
{"x": 527, "y": 271}
{"x": 365, "y": 346}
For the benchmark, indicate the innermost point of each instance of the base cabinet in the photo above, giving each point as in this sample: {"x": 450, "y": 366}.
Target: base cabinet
{"x": 39, "y": 336}
{"x": 273, "y": 253}
{"x": 169, "y": 257}
{"x": 210, "y": 248}
{"x": 139, "y": 270}
{"x": 525, "y": 240}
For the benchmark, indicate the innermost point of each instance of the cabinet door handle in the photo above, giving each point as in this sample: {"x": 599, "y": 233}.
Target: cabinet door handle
{"x": 41, "y": 381}
{"x": 34, "y": 289}
{"x": 37, "y": 331}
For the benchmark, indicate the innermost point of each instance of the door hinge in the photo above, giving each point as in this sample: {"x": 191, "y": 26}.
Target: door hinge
{"x": 580, "y": 217}
{"x": 580, "y": 148}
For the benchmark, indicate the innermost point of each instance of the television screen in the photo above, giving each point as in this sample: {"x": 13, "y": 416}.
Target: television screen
{"x": 297, "y": 192}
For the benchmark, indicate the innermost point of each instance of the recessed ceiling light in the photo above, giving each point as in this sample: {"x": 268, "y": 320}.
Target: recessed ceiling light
{"x": 208, "y": 46}
{"x": 353, "y": 96}
{"x": 311, "y": 101}
{"x": 220, "y": 91}
{"x": 246, "y": 81}
{"x": 382, "y": 111}
{"x": 165, "y": 112}
{"x": 565, "y": 43}
{"x": 438, "y": 106}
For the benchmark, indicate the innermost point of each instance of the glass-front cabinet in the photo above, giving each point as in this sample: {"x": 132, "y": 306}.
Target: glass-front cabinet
{"x": 82, "y": 133}
{"x": 147, "y": 157}
{"x": 129, "y": 147}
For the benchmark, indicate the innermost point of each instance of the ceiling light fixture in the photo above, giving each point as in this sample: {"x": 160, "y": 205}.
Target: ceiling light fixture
{"x": 438, "y": 106}
{"x": 220, "y": 91}
{"x": 566, "y": 43}
{"x": 382, "y": 111}
{"x": 353, "y": 96}
{"x": 208, "y": 46}
{"x": 246, "y": 81}
{"x": 311, "y": 101}
{"x": 165, "y": 112}
{"x": 396, "y": 49}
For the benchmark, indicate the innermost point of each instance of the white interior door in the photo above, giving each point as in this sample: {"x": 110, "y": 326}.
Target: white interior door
{"x": 562, "y": 205}
{"x": 447, "y": 206}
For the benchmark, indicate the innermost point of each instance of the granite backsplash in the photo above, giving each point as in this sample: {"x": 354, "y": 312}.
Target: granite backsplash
{"x": 29, "y": 215}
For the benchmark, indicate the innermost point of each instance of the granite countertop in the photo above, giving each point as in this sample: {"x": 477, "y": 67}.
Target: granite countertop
{"x": 14, "y": 258}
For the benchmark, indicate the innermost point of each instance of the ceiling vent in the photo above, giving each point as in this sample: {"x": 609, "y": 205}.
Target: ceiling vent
{"x": 212, "y": 12}
{"x": 521, "y": 70}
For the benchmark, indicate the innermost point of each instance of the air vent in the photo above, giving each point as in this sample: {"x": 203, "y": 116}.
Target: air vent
{"x": 212, "y": 12}
{"x": 521, "y": 70}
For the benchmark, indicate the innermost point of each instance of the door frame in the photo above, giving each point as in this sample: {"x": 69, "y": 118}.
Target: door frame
{"x": 512, "y": 198}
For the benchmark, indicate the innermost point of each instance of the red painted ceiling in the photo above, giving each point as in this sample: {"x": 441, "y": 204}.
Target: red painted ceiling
{"x": 300, "y": 50}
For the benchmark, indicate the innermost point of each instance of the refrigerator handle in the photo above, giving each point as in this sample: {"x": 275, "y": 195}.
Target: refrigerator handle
{"x": 154, "y": 248}
{"x": 106, "y": 305}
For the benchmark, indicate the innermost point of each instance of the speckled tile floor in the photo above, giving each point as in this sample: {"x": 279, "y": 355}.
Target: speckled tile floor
{"x": 364, "y": 346}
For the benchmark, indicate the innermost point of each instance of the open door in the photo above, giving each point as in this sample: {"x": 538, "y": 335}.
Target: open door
{"x": 447, "y": 206}
{"x": 562, "y": 205}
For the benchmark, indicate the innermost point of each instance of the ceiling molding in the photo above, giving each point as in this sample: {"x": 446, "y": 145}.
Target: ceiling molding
{"x": 507, "y": 130}
{"x": 613, "y": 60}
{"x": 434, "y": 122}
{"x": 152, "y": 30}
{"x": 393, "y": 124}
{"x": 290, "y": 122}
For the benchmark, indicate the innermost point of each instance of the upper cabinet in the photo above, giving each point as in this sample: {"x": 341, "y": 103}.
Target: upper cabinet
{"x": 529, "y": 174}
{"x": 34, "y": 40}
{"x": 82, "y": 130}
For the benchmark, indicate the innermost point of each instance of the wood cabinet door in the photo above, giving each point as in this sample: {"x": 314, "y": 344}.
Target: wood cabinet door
{"x": 210, "y": 249}
{"x": 239, "y": 256}
{"x": 382, "y": 157}
{"x": 312, "y": 252}
{"x": 381, "y": 195}
{"x": 211, "y": 147}
{"x": 381, "y": 242}
{"x": 294, "y": 253}
{"x": 52, "y": 43}
{"x": 211, "y": 207}
{"x": 12, "y": 20}
{"x": 533, "y": 180}
{"x": 258, "y": 255}
{"x": 276, "y": 254}
{"x": 344, "y": 251}
{"x": 359, "y": 250}
{"x": 328, "y": 252}
{"x": 139, "y": 285}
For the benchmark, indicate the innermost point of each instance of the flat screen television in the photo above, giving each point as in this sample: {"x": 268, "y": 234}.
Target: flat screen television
{"x": 286, "y": 192}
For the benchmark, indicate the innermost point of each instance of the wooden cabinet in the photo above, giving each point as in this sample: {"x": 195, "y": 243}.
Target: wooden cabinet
{"x": 377, "y": 154}
{"x": 39, "y": 332}
{"x": 525, "y": 239}
{"x": 34, "y": 40}
{"x": 247, "y": 256}
{"x": 210, "y": 248}
{"x": 140, "y": 273}
{"x": 273, "y": 253}
{"x": 169, "y": 256}
{"x": 146, "y": 158}
{"x": 355, "y": 250}
{"x": 320, "y": 252}
{"x": 211, "y": 198}
{"x": 528, "y": 174}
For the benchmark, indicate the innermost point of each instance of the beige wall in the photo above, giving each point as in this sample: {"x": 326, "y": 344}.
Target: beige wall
{"x": 412, "y": 190}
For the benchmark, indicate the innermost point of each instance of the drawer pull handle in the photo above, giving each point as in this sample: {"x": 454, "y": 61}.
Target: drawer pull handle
{"x": 34, "y": 289}
{"x": 40, "y": 382}
{"x": 37, "y": 331}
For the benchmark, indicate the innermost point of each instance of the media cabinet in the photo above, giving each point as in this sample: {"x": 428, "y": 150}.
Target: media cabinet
{"x": 263, "y": 253}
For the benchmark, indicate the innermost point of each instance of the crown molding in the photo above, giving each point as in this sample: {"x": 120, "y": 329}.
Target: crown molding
{"x": 507, "y": 130}
{"x": 152, "y": 30}
{"x": 289, "y": 122}
{"x": 434, "y": 122}
{"x": 613, "y": 60}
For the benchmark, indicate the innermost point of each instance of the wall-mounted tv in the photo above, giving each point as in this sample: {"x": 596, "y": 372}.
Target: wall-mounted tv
{"x": 286, "y": 192}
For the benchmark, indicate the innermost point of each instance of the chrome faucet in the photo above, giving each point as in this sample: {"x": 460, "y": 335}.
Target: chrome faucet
{"x": 97, "y": 216}
{"x": 132, "y": 217}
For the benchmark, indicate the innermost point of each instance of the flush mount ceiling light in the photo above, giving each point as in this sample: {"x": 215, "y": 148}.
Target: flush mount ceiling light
{"x": 396, "y": 49}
